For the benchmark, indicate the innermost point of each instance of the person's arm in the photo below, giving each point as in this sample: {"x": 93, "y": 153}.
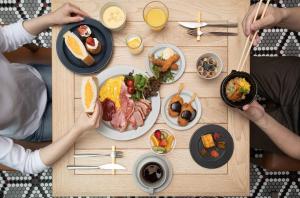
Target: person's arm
{"x": 51, "y": 153}
{"x": 281, "y": 17}
{"x": 16, "y": 157}
{"x": 27, "y": 161}
{"x": 17, "y": 34}
{"x": 285, "y": 139}
{"x": 68, "y": 13}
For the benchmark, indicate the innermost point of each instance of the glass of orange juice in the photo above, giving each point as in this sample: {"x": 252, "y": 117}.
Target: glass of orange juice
{"x": 156, "y": 15}
{"x": 134, "y": 43}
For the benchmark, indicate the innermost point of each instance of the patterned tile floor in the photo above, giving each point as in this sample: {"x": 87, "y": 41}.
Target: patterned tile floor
{"x": 275, "y": 42}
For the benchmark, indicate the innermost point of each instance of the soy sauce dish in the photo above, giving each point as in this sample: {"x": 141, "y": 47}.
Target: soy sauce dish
{"x": 238, "y": 89}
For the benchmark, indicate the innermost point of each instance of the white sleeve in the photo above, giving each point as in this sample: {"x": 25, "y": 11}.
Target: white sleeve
{"x": 13, "y": 36}
{"x": 16, "y": 157}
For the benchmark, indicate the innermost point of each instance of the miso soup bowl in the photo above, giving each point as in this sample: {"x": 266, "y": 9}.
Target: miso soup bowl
{"x": 249, "y": 97}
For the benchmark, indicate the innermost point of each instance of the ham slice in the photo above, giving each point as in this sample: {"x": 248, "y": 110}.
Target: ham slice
{"x": 119, "y": 121}
{"x": 132, "y": 121}
{"x": 146, "y": 110}
{"x": 139, "y": 119}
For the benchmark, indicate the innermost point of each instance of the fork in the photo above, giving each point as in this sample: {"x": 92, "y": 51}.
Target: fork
{"x": 195, "y": 32}
{"x": 113, "y": 154}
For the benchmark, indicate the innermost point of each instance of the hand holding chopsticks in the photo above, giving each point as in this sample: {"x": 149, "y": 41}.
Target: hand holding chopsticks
{"x": 248, "y": 46}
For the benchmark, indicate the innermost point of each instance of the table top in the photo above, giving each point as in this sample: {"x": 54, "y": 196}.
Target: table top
{"x": 189, "y": 178}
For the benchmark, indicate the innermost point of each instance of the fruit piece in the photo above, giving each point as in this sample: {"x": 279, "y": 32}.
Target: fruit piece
{"x": 130, "y": 83}
{"x": 216, "y": 136}
{"x": 163, "y": 143}
{"x": 154, "y": 141}
{"x": 77, "y": 48}
{"x": 164, "y": 135}
{"x": 134, "y": 43}
{"x": 159, "y": 149}
{"x": 89, "y": 94}
{"x": 131, "y": 90}
{"x": 170, "y": 141}
{"x": 203, "y": 152}
{"x": 157, "y": 134}
{"x": 90, "y": 41}
{"x": 221, "y": 145}
{"x": 214, "y": 154}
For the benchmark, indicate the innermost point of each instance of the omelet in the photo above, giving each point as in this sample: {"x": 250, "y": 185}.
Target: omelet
{"x": 112, "y": 90}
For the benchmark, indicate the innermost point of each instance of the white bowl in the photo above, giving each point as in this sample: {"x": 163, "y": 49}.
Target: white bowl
{"x": 107, "y": 5}
{"x": 220, "y": 64}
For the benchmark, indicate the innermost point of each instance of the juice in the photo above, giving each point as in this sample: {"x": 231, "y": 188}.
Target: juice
{"x": 156, "y": 18}
{"x": 156, "y": 15}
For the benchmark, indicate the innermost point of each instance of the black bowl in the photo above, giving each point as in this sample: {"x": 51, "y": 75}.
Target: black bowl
{"x": 249, "y": 97}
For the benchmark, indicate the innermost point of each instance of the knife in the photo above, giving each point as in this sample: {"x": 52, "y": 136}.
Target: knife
{"x": 102, "y": 167}
{"x": 193, "y": 25}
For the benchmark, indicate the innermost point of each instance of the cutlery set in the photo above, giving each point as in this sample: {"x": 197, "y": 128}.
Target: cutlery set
{"x": 112, "y": 166}
{"x": 193, "y": 28}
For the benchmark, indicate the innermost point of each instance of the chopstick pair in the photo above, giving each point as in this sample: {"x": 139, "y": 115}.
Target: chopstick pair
{"x": 246, "y": 50}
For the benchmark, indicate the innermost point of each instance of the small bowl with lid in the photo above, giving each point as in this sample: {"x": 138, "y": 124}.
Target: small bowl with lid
{"x": 209, "y": 66}
{"x": 113, "y": 16}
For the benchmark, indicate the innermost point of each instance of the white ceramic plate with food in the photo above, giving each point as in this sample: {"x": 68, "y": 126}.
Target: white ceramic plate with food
{"x": 172, "y": 121}
{"x": 107, "y": 130}
{"x": 159, "y": 52}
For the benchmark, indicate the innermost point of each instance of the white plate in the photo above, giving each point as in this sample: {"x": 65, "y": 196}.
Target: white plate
{"x": 114, "y": 134}
{"x": 172, "y": 122}
{"x": 157, "y": 50}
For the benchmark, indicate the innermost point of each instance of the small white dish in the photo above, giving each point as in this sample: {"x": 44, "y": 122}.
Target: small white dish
{"x": 219, "y": 61}
{"x": 172, "y": 122}
{"x": 157, "y": 51}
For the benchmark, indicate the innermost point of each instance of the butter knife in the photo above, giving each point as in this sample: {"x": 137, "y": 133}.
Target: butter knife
{"x": 193, "y": 25}
{"x": 102, "y": 167}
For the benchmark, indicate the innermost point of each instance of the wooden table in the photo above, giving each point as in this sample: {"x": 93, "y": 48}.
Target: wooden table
{"x": 189, "y": 178}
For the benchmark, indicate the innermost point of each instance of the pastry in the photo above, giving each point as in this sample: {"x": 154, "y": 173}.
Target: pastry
{"x": 93, "y": 45}
{"x": 77, "y": 48}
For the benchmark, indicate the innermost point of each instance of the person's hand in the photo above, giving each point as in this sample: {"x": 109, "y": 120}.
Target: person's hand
{"x": 254, "y": 111}
{"x": 86, "y": 122}
{"x": 68, "y": 13}
{"x": 272, "y": 18}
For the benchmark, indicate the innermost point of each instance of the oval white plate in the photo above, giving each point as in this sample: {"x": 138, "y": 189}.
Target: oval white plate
{"x": 114, "y": 134}
{"x": 157, "y": 50}
{"x": 172, "y": 122}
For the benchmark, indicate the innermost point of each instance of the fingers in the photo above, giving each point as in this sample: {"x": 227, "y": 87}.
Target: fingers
{"x": 261, "y": 23}
{"x": 74, "y": 19}
{"x": 78, "y": 11}
{"x": 96, "y": 112}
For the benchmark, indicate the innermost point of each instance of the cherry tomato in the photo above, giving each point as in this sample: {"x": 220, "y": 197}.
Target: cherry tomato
{"x": 214, "y": 154}
{"x": 131, "y": 90}
{"x": 130, "y": 83}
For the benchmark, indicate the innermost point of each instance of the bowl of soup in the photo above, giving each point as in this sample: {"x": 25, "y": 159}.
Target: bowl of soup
{"x": 113, "y": 16}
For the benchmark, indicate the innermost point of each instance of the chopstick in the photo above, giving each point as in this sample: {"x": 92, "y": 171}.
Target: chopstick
{"x": 246, "y": 50}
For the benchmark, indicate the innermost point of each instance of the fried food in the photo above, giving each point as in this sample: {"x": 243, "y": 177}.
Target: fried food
{"x": 187, "y": 114}
{"x": 168, "y": 63}
{"x": 165, "y": 64}
{"x": 176, "y": 103}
